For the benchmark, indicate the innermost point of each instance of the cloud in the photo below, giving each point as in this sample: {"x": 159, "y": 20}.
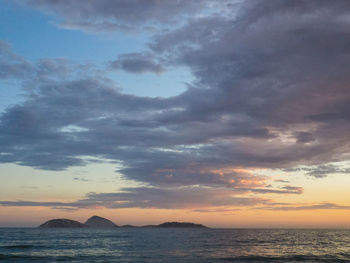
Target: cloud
{"x": 29, "y": 187}
{"x": 195, "y": 198}
{"x": 81, "y": 179}
{"x": 137, "y": 63}
{"x": 283, "y": 190}
{"x": 281, "y": 181}
{"x": 11, "y": 65}
{"x": 320, "y": 171}
{"x": 65, "y": 209}
{"x": 150, "y": 197}
{"x": 270, "y": 90}
{"x": 322, "y": 206}
{"x": 225, "y": 211}
{"x": 105, "y": 15}
{"x": 304, "y": 137}
{"x": 264, "y": 68}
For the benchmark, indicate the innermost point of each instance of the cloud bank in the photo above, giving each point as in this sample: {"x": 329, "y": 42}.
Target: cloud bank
{"x": 271, "y": 90}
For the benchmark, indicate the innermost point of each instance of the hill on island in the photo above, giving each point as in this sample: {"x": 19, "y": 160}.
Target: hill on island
{"x": 62, "y": 223}
{"x": 97, "y": 221}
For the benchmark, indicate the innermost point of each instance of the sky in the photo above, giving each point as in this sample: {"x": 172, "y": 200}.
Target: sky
{"x": 229, "y": 113}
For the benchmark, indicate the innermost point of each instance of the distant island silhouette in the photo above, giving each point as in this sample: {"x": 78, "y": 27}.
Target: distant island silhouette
{"x": 97, "y": 221}
{"x": 101, "y": 222}
{"x": 58, "y": 223}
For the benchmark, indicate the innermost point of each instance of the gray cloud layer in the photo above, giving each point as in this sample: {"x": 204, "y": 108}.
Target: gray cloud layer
{"x": 195, "y": 198}
{"x": 137, "y": 63}
{"x": 146, "y": 197}
{"x": 271, "y": 90}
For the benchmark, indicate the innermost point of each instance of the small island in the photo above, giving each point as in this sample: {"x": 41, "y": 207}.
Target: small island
{"x": 100, "y": 222}
{"x": 62, "y": 223}
{"x": 181, "y": 225}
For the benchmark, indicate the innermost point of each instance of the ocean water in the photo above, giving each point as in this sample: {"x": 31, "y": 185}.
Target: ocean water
{"x": 173, "y": 245}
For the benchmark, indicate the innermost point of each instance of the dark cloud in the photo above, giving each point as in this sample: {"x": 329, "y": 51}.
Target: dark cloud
{"x": 304, "y": 137}
{"x": 266, "y": 68}
{"x": 137, "y": 63}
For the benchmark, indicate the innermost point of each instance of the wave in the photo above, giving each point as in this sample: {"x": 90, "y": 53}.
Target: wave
{"x": 294, "y": 258}
{"x": 21, "y": 246}
{"x": 20, "y": 257}
{"x": 26, "y": 258}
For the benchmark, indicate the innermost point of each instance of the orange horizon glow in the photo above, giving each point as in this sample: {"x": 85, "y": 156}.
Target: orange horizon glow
{"x": 33, "y": 217}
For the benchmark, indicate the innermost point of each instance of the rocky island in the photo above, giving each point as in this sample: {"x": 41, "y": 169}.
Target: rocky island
{"x": 100, "y": 222}
{"x": 62, "y": 223}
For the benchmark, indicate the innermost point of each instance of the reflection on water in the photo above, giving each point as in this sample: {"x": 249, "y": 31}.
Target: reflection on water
{"x": 173, "y": 245}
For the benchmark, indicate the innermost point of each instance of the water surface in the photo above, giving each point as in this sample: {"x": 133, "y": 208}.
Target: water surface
{"x": 140, "y": 245}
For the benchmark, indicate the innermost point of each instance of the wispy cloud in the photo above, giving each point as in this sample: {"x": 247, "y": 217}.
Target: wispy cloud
{"x": 81, "y": 179}
{"x": 224, "y": 211}
{"x": 29, "y": 187}
{"x": 150, "y": 197}
{"x": 320, "y": 171}
{"x": 293, "y": 207}
{"x": 105, "y": 15}
{"x": 137, "y": 63}
{"x": 196, "y": 199}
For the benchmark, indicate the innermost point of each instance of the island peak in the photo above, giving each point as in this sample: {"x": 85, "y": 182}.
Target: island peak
{"x": 99, "y": 222}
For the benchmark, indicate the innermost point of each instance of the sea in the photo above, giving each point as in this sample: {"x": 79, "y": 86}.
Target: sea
{"x": 139, "y": 245}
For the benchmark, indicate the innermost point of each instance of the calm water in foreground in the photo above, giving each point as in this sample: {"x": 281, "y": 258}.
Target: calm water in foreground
{"x": 173, "y": 245}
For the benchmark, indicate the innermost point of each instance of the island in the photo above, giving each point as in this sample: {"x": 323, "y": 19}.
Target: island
{"x": 171, "y": 225}
{"x": 62, "y": 223}
{"x": 181, "y": 225}
{"x": 100, "y": 222}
